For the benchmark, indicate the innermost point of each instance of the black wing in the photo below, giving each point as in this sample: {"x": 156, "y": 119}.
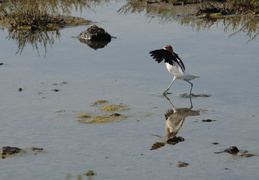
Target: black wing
{"x": 179, "y": 61}
{"x": 160, "y": 54}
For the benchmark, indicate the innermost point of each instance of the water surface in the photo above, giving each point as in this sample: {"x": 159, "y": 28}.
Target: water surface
{"x": 123, "y": 72}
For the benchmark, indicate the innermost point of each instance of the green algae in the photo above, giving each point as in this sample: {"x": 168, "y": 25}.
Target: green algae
{"x": 103, "y": 119}
{"x": 83, "y": 115}
{"x": 101, "y": 101}
{"x": 114, "y": 107}
{"x": 90, "y": 173}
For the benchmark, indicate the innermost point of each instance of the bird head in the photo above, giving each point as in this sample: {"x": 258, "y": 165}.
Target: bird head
{"x": 168, "y": 48}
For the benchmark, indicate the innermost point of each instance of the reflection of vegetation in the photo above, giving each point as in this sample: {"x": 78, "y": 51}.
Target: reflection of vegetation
{"x": 185, "y": 15}
{"x": 230, "y": 7}
{"x": 250, "y": 5}
{"x": 236, "y": 6}
{"x": 237, "y": 24}
{"x": 35, "y": 38}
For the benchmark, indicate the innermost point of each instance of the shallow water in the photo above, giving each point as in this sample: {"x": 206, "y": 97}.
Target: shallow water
{"x": 123, "y": 72}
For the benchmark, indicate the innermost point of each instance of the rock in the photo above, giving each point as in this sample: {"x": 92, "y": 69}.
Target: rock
{"x": 115, "y": 114}
{"x": 182, "y": 164}
{"x": 237, "y": 152}
{"x": 95, "y": 33}
{"x": 95, "y": 37}
{"x": 55, "y": 90}
{"x": 207, "y": 120}
{"x": 8, "y": 150}
{"x": 232, "y": 150}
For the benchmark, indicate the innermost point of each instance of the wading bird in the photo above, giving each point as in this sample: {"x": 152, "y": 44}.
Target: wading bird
{"x": 173, "y": 64}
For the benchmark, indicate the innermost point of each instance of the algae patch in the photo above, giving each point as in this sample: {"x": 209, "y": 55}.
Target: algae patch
{"x": 101, "y": 101}
{"x": 103, "y": 119}
{"x": 83, "y": 115}
{"x": 90, "y": 173}
{"x": 114, "y": 107}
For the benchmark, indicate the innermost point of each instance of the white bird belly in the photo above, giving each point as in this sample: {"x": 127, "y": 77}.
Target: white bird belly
{"x": 174, "y": 70}
{"x": 178, "y": 73}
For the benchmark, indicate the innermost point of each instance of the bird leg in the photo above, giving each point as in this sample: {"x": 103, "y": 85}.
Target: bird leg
{"x": 170, "y": 85}
{"x": 191, "y": 87}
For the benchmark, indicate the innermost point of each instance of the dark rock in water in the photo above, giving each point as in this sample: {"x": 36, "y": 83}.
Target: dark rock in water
{"x": 95, "y": 37}
{"x": 232, "y": 150}
{"x": 95, "y": 33}
{"x": 237, "y": 152}
{"x": 8, "y": 150}
{"x": 207, "y": 120}
{"x": 182, "y": 164}
{"x": 115, "y": 114}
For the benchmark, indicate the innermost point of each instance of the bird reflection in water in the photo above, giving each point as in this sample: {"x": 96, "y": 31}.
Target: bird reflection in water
{"x": 175, "y": 118}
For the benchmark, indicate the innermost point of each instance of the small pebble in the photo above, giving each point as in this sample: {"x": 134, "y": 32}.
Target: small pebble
{"x": 55, "y": 90}
{"x": 182, "y": 164}
{"x": 207, "y": 120}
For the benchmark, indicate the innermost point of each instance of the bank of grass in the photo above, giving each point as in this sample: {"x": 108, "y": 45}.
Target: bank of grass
{"x": 35, "y": 15}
